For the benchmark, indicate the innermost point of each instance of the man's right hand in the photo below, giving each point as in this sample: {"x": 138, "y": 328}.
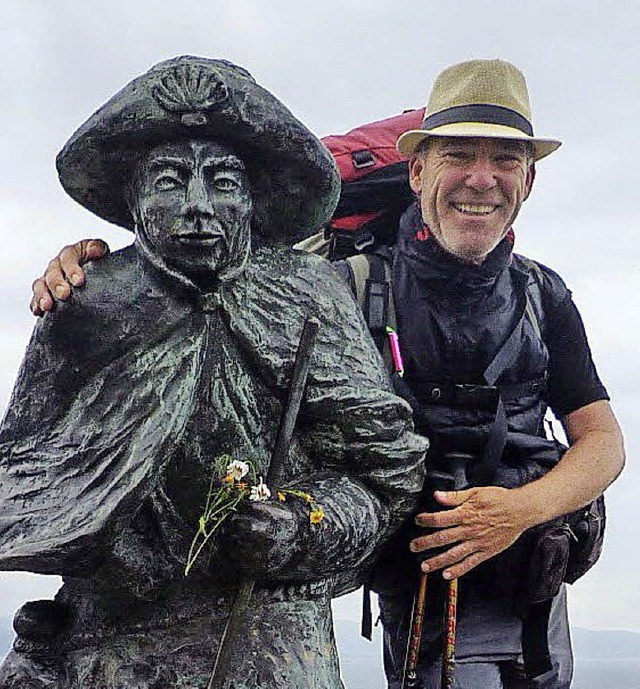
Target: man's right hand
{"x": 63, "y": 272}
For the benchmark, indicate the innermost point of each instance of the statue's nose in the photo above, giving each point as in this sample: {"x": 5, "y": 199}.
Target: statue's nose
{"x": 197, "y": 201}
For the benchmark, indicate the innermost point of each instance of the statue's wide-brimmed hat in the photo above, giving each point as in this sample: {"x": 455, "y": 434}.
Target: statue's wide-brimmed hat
{"x": 479, "y": 98}
{"x": 295, "y": 182}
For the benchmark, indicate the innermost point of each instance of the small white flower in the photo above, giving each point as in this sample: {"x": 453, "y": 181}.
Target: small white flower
{"x": 260, "y": 493}
{"x": 237, "y": 469}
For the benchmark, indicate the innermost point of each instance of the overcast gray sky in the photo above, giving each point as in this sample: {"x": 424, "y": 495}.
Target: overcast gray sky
{"x": 336, "y": 64}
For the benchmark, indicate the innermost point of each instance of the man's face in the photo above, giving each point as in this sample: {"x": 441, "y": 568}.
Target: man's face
{"x": 193, "y": 203}
{"x": 471, "y": 190}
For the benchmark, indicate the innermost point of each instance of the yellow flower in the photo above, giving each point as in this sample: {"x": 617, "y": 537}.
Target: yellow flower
{"x": 316, "y": 515}
{"x": 228, "y": 479}
{"x": 281, "y": 496}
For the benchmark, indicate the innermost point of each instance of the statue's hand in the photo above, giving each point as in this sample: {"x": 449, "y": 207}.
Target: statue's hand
{"x": 64, "y": 271}
{"x": 261, "y": 538}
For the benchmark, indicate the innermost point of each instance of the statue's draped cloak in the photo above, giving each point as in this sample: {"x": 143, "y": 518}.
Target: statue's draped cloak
{"x": 138, "y": 380}
{"x": 126, "y": 394}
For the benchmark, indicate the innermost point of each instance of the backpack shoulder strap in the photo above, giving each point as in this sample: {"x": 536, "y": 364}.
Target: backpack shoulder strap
{"x": 535, "y": 312}
{"x": 371, "y": 275}
{"x": 318, "y": 243}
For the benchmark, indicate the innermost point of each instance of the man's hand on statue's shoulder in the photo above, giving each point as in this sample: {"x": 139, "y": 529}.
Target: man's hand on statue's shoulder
{"x": 480, "y": 523}
{"x": 63, "y": 272}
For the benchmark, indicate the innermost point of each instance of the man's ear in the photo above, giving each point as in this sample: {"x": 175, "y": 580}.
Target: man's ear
{"x": 416, "y": 170}
{"x": 531, "y": 175}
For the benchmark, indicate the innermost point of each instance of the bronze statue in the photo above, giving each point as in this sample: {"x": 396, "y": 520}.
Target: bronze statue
{"x": 179, "y": 350}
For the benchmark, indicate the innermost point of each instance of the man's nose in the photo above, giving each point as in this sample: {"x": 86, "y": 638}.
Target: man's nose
{"x": 481, "y": 175}
{"x": 197, "y": 201}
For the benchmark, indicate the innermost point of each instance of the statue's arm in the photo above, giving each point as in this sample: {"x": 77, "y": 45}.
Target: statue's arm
{"x": 368, "y": 462}
{"x": 370, "y": 469}
{"x": 64, "y": 272}
{"x": 85, "y": 435}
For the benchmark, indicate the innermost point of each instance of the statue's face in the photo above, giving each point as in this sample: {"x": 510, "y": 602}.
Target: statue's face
{"x": 192, "y": 201}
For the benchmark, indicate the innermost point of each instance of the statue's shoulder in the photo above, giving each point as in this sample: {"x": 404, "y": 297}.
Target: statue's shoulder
{"x": 282, "y": 280}
{"x": 117, "y": 275}
{"x": 111, "y": 283}
{"x": 289, "y": 264}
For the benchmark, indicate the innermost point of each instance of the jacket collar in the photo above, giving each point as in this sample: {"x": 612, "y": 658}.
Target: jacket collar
{"x": 431, "y": 262}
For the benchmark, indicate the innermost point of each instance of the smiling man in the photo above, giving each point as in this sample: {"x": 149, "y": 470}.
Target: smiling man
{"x": 490, "y": 341}
{"x": 471, "y": 190}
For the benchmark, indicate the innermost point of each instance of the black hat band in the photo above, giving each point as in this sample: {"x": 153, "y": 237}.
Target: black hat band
{"x": 488, "y": 114}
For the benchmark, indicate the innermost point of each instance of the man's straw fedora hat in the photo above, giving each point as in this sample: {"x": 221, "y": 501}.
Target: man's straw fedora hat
{"x": 479, "y": 98}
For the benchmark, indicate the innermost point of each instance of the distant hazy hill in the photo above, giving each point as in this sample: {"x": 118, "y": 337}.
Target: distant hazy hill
{"x": 603, "y": 658}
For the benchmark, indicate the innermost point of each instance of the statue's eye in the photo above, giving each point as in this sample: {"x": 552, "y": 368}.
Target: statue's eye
{"x": 167, "y": 181}
{"x": 226, "y": 183}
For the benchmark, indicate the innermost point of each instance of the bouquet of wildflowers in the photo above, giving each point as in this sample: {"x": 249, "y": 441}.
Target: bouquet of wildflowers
{"x": 232, "y": 481}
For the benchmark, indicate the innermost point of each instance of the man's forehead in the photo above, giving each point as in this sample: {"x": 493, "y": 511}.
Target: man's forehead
{"x": 479, "y": 143}
{"x": 196, "y": 150}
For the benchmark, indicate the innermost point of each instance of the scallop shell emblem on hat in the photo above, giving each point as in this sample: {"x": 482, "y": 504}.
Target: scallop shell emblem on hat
{"x": 191, "y": 90}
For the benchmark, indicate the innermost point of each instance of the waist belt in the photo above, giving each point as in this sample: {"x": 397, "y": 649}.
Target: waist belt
{"x": 475, "y": 397}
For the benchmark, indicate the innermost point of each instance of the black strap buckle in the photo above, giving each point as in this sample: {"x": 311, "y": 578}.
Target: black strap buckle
{"x": 362, "y": 159}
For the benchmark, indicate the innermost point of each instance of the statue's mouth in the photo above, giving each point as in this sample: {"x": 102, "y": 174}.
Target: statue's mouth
{"x": 197, "y": 238}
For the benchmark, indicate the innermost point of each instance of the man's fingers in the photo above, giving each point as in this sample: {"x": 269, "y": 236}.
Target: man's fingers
{"x": 70, "y": 259}
{"x": 95, "y": 249}
{"x": 41, "y": 300}
{"x": 436, "y": 540}
{"x": 456, "y": 561}
{"x": 450, "y": 558}
{"x": 453, "y": 498}
{"x": 65, "y": 270}
{"x": 55, "y": 281}
{"x": 464, "y": 566}
{"x": 74, "y": 256}
{"x": 439, "y": 520}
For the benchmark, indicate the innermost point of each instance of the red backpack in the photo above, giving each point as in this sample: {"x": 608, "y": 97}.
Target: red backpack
{"x": 375, "y": 188}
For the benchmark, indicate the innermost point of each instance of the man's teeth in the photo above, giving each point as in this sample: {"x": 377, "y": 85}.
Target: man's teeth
{"x": 475, "y": 209}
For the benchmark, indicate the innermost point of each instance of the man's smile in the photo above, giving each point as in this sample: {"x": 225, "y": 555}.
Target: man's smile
{"x": 475, "y": 208}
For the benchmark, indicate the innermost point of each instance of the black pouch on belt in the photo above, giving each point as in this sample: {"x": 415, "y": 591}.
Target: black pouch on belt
{"x": 549, "y": 555}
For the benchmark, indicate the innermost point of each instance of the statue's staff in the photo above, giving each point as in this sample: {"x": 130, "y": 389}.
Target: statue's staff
{"x": 274, "y": 477}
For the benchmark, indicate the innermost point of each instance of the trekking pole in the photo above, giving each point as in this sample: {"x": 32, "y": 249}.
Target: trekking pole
{"x": 449, "y": 636}
{"x": 436, "y": 480}
{"x": 457, "y": 462}
{"x": 279, "y": 456}
{"x": 410, "y": 676}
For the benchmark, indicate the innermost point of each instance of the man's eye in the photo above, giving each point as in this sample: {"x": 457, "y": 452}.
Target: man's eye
{"x": 511, "y": 155}
{"x": 225, "y": 183}
{"x": 167, "y": 182}
{"x": 508, "y": 160}
{"x": 458, "y": 155}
